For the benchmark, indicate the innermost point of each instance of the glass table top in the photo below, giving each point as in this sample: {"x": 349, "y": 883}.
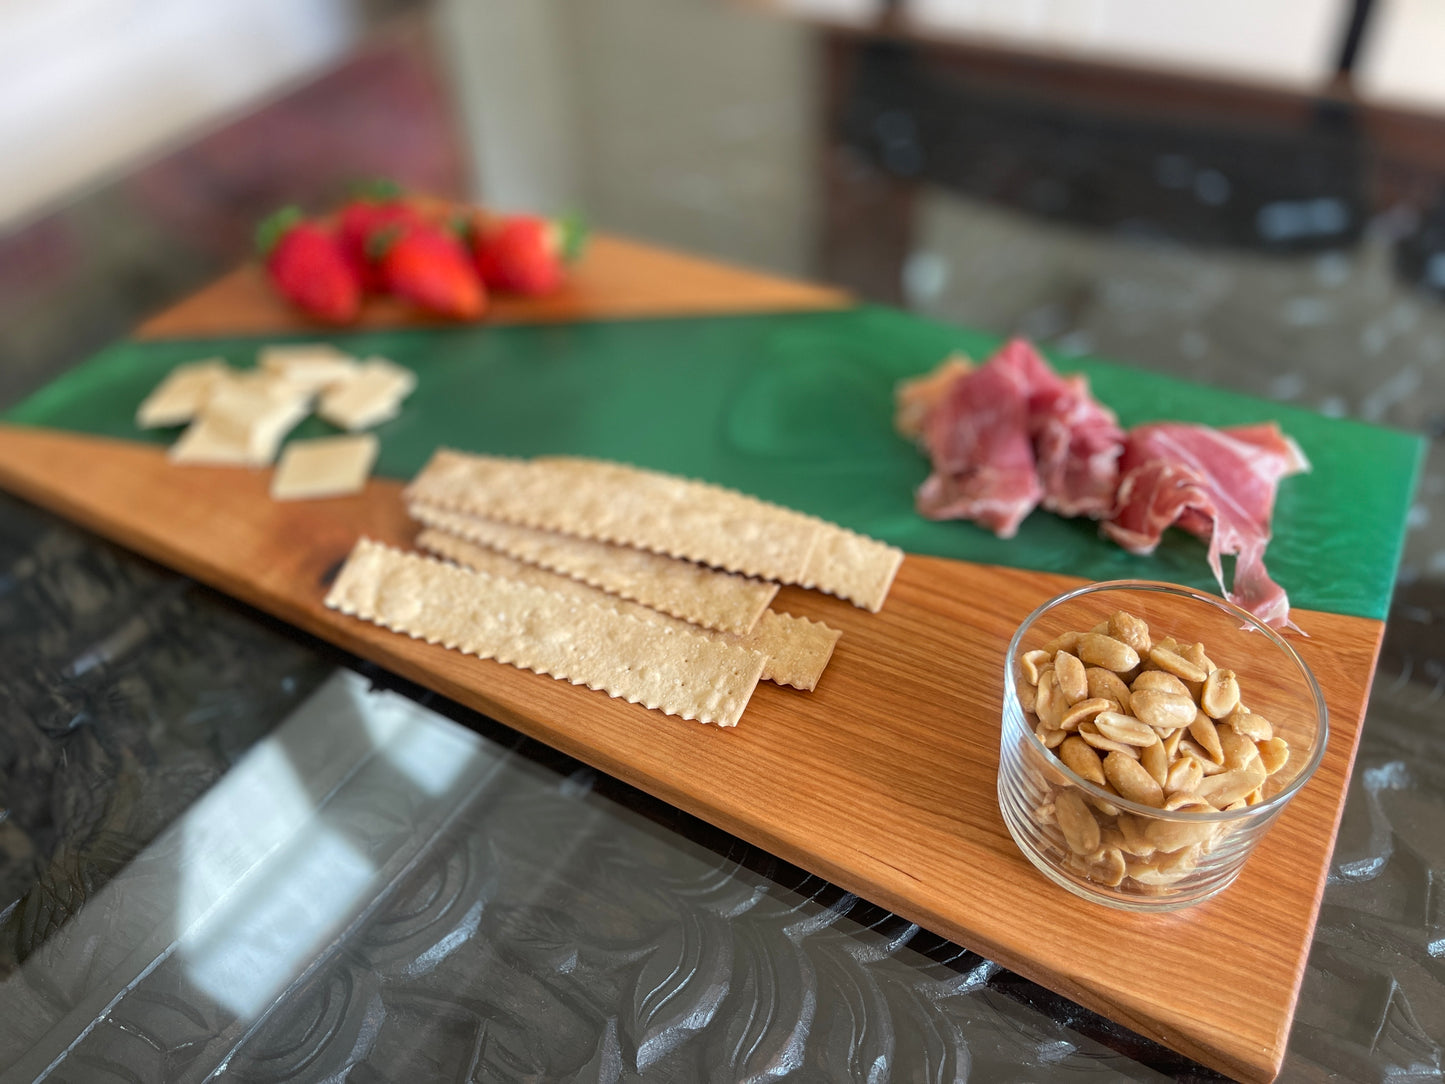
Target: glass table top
{"x": 227, "y": 850}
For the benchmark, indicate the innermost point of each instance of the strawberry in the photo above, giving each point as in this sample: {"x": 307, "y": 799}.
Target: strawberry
{"x": 428, "y": 266}
{"x": 373, "y": 207}
{"x": 308, "y": 268}
{"x": 525, "y": 254}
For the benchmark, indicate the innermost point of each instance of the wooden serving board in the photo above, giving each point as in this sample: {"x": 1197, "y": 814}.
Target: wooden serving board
{"x": 883, "y": 780}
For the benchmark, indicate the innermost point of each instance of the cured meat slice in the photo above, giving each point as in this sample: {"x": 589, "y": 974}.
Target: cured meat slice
{"x": 1011, "y": 435}
{"x": 1076, "y": 439}
{"x": 983, "y": 461}
{"x": 1219, "y": 484}
{"x": 916, "y": 399}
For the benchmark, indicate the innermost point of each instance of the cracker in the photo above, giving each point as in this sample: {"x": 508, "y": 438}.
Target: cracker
{"x": 240, "y": 424}
{"x": 324, "y": 467}
{"x": 797, "y": 649}
{"x": 372, "y": 395}
{"x": 852, "y": 566}
{"x": 664, "y": 514}
{"x": 841, "y": 562}
{"x": 693, "y": 592}
{"x": 611, "y": 503}
{"x": 178, "y": 398}
{"x": 535, "y": 629}
{"x": 314, "y": 366}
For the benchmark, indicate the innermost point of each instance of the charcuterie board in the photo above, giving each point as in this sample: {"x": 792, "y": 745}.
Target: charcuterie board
{"x": 883, "y": 778}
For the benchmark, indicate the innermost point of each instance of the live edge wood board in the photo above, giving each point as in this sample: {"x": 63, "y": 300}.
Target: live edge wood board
{"x": 883, "y": 780}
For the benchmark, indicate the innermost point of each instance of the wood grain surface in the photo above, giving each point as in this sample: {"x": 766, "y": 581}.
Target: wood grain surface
{"x": 883, "y": 780}
{"x": 614, "y": 278}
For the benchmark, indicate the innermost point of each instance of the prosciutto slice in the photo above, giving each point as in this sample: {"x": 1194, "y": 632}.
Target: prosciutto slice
{"x": 1010, "y": 435}
{"x": 1013, "y": 434}
{"x": 1218, "y": 484}
{"x": 1076, "y": 439}
{"x": 983, "y": 462}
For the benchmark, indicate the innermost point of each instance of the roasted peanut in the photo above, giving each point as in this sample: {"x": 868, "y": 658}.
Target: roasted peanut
{"x": 1103, "y": 805}
{"x": 1155, "y": 761}
{"x": 1097, "y": 649}
{"x": 1033, "y": 664}
{"x": 1177, "y": 665}
{"x": 1050, "y": 706}
{"x": 1106, "y": 866}
{"x": 1174, "y": 835}
{"x": 1131, "y": 780}
{"x": 1203, "y": 730}
{"x": 1049, "y": 736}
{"x": 1184, "y": 777}
{"x": 1123, "y": 728}
{"x": 1228, "y": 787}
{"x": 1252, "y": 726}
{"x": 1089, "y": 731}
{"x": 1126, "y": 628}
{"x": 1065, "y": 641}
{"x": 1070, "y": 674}
{"x": 1238, "y": 750}
{"x": 1167, "y": 710}
{"x": 1079, "y": 757}
{"x": 1107, "y": 685}
{"x": 1273, "y": 753}
{"x": 1220, "y": 695}
{"x": 1085, "y": 709}
{"x": 1134, "y": 828}
{"x": 1080, "y": 829}
{"x": 1028, "y": 696}
{"x": 1159, "y": 681}
{"x": 1190, "y": 748}
{"x": 1195, "y": 654}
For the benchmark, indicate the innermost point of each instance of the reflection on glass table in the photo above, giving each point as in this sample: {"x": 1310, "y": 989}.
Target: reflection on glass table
{"x": 369, "y": 886}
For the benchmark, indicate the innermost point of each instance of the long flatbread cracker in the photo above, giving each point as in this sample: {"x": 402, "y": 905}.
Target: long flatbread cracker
{"x": 612, "y": 502}
{"x": 841, "y": 562}
{"x": 852, "y": 566}
{"x": 697, "y": 594}
{"x": 512, "y": 622}
{"x": 797, "y": 649}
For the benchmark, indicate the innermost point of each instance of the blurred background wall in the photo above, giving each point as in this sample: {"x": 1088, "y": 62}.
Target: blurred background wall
{"x": 92, "y": 86}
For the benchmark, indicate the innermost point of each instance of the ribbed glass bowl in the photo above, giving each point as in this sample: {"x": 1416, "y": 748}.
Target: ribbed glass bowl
{"x": 1128, "y": 851}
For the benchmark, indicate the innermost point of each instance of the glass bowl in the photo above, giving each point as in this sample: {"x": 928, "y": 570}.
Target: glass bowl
{"x": 1156, "y": 833}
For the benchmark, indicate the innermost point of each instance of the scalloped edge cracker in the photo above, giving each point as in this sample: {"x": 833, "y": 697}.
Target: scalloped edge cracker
{"x": 534, "y": 629}
{"x": 841, "y": 562}
{"x": 612, "y": 502}
{"x": 797, "y": 649}
{"x": 852, "y": 566}
{"x": 695, "y": 593}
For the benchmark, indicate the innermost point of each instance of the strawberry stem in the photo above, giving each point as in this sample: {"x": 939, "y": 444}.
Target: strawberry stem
{"x": 574, "y": 235}
{"x": 381, "y": 241}
{"x": 275, "y": 226}
{"x": 375, "y": 189}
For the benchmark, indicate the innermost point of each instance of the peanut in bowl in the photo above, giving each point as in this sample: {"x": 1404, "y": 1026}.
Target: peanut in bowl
{"x": 1151, "y": 735}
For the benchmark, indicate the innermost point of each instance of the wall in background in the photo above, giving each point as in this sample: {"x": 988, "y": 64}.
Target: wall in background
{"x": 91, "y": 86}
{"x": 1400, "y": 63}
{"x": 689, "y": 123}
